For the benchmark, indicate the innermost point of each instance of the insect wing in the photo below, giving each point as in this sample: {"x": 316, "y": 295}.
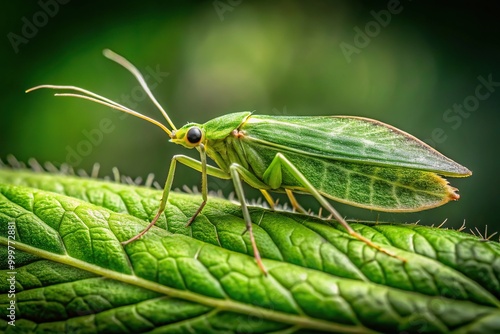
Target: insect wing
{"x": 349, "y": 139}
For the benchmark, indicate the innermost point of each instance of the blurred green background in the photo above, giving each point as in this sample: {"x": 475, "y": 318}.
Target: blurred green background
{"x": 285, "y": 57}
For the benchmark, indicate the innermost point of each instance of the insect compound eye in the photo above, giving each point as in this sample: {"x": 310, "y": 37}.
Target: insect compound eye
{"x": 194, "y": 135}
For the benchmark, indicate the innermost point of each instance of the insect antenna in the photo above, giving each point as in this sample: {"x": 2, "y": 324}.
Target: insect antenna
{"x": 88, "y": 95}
{"x": 101, "y": 100}
{"x": 132, "y": 69}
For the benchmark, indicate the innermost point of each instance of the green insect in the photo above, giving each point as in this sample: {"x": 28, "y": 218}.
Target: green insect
{"x": 353, "y": 160}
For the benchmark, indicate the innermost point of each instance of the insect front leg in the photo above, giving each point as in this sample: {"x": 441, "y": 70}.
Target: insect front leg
{"x": 280, "y": 161}
{"x": 190, "y": 162}
{"x": 204, "y": 187}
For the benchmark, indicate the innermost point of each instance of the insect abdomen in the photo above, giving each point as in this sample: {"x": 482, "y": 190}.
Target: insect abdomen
{"x": 368, "y": 186}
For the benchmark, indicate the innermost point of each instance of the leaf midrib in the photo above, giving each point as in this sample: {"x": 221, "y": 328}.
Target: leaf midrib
{"x": 227, "y": 305}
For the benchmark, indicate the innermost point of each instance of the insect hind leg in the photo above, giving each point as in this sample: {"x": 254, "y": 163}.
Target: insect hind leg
{"x": 280, "y": 161}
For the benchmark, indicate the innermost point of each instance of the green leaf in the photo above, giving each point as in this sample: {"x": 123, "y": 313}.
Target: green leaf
{"x": 72, "y": 273}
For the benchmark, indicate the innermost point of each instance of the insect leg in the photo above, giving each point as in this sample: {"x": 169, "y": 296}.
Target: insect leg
{"x": 204, "y": 188}
{"x": 294, "y": 202}
{"x": 268, "y": 198}
{"x": 205, "y": 169}
{"x": 190, "y": 162}
{"x": 281, "y": 161}
{"x": 236, "y": 170}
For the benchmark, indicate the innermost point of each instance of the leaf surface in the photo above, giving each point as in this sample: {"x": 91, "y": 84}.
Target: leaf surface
{"x": 72, "y": 273}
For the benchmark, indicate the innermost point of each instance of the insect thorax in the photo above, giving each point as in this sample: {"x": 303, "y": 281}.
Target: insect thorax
{"x": 227, "y": 151}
